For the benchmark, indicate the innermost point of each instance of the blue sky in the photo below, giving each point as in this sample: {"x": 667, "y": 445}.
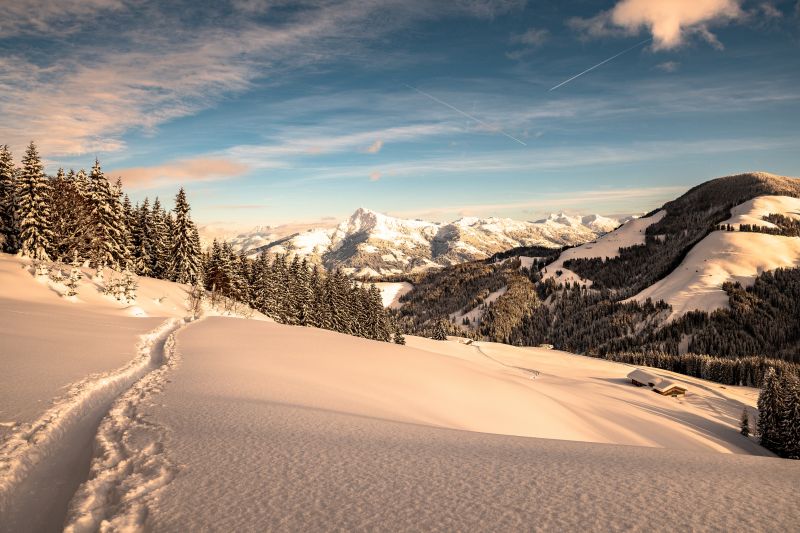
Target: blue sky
{"x": 278, "y": 112}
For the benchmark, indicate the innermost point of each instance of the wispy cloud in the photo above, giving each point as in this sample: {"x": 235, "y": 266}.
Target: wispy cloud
{"x": 591, "y": 200}
{"x": 83, "y": 98}
{"x": 327, "y": 140}
{"x": 375, "y": 147}
{"x": 545, "y": 159}
{"x": 180, "y": 172}
{"x": 669, "y": 66}
{"x": 527, "y": 42}
{"x": 51, "y": 16}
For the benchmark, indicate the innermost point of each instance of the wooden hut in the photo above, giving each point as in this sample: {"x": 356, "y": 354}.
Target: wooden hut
{"x": 640, "y": 378}
{"x": 666, "y": 387}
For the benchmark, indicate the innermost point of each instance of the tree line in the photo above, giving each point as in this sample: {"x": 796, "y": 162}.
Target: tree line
{"x": 292, "y": 293}
{"x": 81, "y": 218}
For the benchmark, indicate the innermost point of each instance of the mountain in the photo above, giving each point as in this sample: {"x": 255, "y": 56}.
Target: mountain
{"x": 370, "y": 244}
{"x": 715, "y": 271}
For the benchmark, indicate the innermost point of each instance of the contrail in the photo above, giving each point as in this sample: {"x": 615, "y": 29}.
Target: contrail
{"x": 637, "y": 45}
{"x": 471, "y": 117}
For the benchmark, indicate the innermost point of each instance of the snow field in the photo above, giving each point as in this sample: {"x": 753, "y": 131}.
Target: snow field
{"x": 307, "y": 429}
{"x": 29, "y": 453}
{"x": 391, "y": 292}
{"x": 130, "y": 464}
{"x": 696, "y": 284}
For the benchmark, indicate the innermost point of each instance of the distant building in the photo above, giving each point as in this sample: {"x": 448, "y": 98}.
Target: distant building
{"x": 666, "y": 387}
{"x": 640, "y": 378}
{"x": 662, "y": 386}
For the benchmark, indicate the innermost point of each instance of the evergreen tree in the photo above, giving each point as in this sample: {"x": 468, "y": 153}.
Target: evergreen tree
{"x": 161, "y": 242}
{"x": 185, "y": 257}
{"x": 70, "y": 218}
{"x": 745, "y": 423}
{"x": 770, "y": 410}
{"x": 122, "y": 218}
{"x": 33, "y": 209}
{"x": 790, "y": 421}
{"x": 439, "y": 331}
{"x": 9, "y": 231}
{"x": 142, "y": 240}
{"x": 108, "y": 242}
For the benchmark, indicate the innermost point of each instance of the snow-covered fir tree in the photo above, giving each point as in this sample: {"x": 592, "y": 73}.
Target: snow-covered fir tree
{"x": 185, "y": 267}
{"x": 142, "y": 239}
{"x": 9, "y": 231}
{"x": 70, "y": 222}
{"x": 33, "y": 208}
{"x": 108, "y": 242}
{"x": 161, "y": 241}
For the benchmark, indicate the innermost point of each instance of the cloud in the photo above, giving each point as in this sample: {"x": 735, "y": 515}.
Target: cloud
{"x": 325, "y": 140}
{"x": 51, "y": 16}
{"x": 375, "y": 176}
{"x": 138, "y": 65}
{"x": 668, "y": 21}
{"x": 591, "y": 199}
{"x": 669, "y": 66}
{"x": 529, "y": 41}
{"x": 532, "y": 37}
{"x": 769, "y": 10}
{"x": 375, "y": 147}
{"x": 551, "y": 158}
{"x": 180, "y": 172}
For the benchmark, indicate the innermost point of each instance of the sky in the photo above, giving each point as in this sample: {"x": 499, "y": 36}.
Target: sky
{"x": 276, "y": 112}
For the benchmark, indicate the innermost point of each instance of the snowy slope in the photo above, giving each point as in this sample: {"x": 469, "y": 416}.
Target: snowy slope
{"x": 753, "y": 211}
{"x": 392, "y": 292}
{"x": 696, "y": 284}
{"x": 65, "y": 362}
{"x": 371, "y": 244}
{"x": 629, "y": 234}
{"x": 235, "y": 424}
{"x": 300, "y": 428}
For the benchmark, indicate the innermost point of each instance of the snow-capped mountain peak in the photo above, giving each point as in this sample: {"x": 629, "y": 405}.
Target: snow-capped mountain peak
{"x": 370, "y": 243}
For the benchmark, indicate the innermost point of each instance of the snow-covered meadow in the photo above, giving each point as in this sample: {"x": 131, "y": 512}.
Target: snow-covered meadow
{"x": 147, "y": 420}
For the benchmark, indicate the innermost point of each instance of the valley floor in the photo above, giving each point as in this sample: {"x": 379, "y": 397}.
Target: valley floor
{"x": 238, "y": 424}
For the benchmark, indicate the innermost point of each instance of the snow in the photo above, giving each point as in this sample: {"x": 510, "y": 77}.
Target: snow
{"x": 311, "y": 241}
{"x": 64, "y": 362}
{"x": 247, "y": 425}
{"x": 629, "y": 234}
{"x": 392, "y": 291}
{"x": 377, "y": 244}
{"x": 308, "y": 429}
{"x": 753, "y": 211}
{"x": 727, "y": 256}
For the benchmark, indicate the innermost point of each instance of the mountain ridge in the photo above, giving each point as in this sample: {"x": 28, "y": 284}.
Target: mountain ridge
{"x": 373, "y": 244}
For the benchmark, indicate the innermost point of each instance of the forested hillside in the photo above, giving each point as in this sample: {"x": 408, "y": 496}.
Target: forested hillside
{"x": 763, "y": 320}
{"x": 688, "y": 219}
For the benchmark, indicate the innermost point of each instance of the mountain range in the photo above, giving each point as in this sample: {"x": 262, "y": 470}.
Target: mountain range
{"x": 372, "y": 244}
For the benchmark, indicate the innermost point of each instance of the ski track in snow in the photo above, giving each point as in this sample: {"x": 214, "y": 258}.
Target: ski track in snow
{"x": 124, "y": 443}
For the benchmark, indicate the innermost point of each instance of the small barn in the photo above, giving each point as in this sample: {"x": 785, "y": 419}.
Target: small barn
{"x": 640, "y": 378}
{"x": 666, "y": 387}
